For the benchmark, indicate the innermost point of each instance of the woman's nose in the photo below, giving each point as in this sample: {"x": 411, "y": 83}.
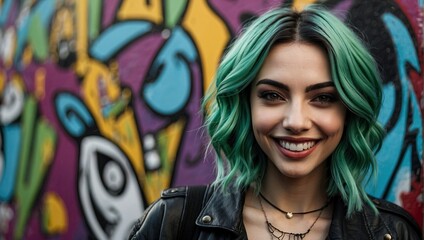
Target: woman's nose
{"x": 296, "y": 118}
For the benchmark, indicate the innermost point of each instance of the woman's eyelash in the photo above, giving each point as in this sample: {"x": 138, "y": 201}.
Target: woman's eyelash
{"x": 325, "y": 98}
{"x": 270, "y": 95}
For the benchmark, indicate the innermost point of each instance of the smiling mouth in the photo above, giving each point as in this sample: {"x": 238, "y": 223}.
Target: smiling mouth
{"x": 297, "y": 147}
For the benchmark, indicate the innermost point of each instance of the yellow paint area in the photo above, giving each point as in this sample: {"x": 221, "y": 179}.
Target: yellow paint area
{"x": 18, "y": 82}
{"x": 40, "y": 83}
{"x": 83, "y": 61}
{"x": 65, "y": 23}
{"x": 63, "y": 28}
{"x": 169, "y": 140}
{"x": 54, "y": 215}
{"x": 47, "y": 151}
{"x": 2, "y": 81}
{"x": 210, "y": 35}
{"x": 27, "y": 55}
{"x": 101, "y": 91}
{"x": 136, "y": 9}
{"x": 301, "y": 4}
{"x": 125, "y": 133}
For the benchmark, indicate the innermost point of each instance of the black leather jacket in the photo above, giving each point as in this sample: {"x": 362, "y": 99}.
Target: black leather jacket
{"x": 221, "y": 218}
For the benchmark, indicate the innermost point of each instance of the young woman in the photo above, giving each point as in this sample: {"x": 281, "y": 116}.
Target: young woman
{"x": 292, "y": 117}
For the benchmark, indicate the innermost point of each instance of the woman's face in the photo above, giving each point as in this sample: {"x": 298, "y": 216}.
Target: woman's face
{"x": 297, "y": 116}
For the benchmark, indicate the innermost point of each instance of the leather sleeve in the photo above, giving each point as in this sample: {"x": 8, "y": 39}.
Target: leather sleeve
{"x": 161, "y": 220}
{"x": 406, "y": 231}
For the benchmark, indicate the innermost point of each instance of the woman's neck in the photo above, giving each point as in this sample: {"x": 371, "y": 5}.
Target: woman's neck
{"x": 295, "y": 194}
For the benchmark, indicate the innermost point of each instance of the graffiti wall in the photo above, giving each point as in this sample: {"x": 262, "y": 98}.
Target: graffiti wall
{"x": 100, "y": 100}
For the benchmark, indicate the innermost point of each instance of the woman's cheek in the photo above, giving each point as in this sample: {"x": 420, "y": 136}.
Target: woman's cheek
{"x": 265, "y": 120}
{"x": 330, "y": 122}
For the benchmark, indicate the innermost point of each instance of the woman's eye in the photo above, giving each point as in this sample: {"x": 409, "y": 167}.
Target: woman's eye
{"x": 270, "y": 96}
{"x": 325, "y": 99}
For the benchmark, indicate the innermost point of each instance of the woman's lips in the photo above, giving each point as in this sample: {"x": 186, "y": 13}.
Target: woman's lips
{"x": 297, "y": 149}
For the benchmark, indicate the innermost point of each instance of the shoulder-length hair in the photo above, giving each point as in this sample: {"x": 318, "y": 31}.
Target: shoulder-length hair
{"x": 240, "y": 160}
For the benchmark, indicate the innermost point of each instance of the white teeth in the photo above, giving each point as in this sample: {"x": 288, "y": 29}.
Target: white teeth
{"x": 297, "y": 147}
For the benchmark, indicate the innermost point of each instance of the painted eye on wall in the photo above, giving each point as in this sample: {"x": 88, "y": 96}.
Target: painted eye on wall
{"x": 112, "y": 174}
{"x": 108, "y": 189}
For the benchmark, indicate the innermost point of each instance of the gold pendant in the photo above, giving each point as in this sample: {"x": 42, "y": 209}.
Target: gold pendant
{"x": 289, "y": 215}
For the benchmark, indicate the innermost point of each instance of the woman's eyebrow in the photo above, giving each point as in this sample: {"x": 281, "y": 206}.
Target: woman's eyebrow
{"x": 319, "y": 85}
{"x": 283, "y": 86}
{"x": 274, "y": 83}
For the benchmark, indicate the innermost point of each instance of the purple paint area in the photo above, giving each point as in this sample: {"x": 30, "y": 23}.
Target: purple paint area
{"x": 110, "y": 8}
{"x": 342, "y": 8}
{"x": 197, "y": 167}
{"x": 62, "y": 175}
{"x": 191, "y": 167}
{"x": 415, "y": 15}
{"x": 11, "y": 224}
{"x": 34, "y": 226}
{"x": 232, "y": 11}
{"x": 63, "y": 178}
{"x": 134, "y": 61}
{"x": 58, "y": 80}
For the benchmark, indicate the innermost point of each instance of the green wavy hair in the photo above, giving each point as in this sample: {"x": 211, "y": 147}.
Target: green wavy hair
{"x": 226, "y": 105}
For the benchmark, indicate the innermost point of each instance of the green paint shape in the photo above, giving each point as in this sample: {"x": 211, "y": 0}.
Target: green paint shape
{"x": 95, "y": 7}
{"x": 174, "y": 10}
{"x": 33, "y": 164}
{"x": 38, "y": 38}
{"x": 118, "y": 108}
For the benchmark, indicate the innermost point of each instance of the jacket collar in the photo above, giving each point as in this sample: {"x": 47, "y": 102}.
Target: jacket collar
{"x": 365, "y": 222}
{"x": 225, "y": 210}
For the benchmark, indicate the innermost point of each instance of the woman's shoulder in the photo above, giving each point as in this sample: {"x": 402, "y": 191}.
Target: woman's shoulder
{"x": 148, "y": 226}
{"x": 163, "y": 217}
{"x": 387, "y": 208}
{"x": 398, "y": 218}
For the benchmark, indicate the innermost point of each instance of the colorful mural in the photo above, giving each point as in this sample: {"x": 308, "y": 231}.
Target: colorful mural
{"x": 100, "y": 100}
